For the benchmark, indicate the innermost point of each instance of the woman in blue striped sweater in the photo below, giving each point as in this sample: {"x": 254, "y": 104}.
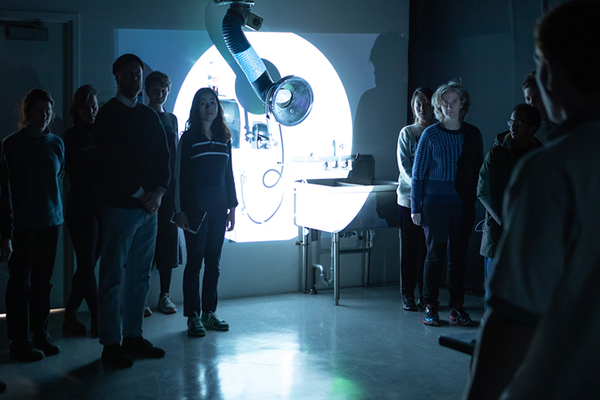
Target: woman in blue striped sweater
{"x": 444, "y": 190}
{"x": 204, "y": 189}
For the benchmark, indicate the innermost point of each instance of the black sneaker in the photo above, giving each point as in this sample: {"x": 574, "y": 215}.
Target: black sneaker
{"x": 114, "y": 356}
{"x": 142, "y": 348}
{"x": 46, "y": 344}
{"x": 24, "y": 351}
{"x": 421, "y": 302}
{"x": 459, "y": 316}
{"x": 408, "y": 302}
{"x": 431, "y": 316}
{"x": 2, "y": 387}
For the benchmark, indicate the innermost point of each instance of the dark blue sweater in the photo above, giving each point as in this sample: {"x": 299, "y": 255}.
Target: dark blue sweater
{"x": 436, "y": 176}
{"x": 36, "y": 166}
{"x": 205, "y": 174}
{"x": 133, "y": 152}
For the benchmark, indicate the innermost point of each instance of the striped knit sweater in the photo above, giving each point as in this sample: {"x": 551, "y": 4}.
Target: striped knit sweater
{"x": 204, "y": 174}
{"x": 446, "y": 166}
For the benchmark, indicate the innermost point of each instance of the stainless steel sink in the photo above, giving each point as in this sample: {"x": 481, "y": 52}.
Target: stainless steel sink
{"x": 337, "y": 205}
{"x": 334, "y": 205}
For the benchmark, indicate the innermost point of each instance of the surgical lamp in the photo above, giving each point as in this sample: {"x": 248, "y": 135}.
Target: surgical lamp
{"x": 290, "y": 99}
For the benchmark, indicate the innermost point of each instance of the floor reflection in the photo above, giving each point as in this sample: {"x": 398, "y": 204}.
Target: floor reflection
{"x": 280, "y": 347}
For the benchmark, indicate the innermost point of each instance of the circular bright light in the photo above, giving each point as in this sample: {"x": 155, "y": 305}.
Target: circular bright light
{"x": 326, "y": 129}
{"x": 283, "y": 98}
{"x": 330, "y": 118}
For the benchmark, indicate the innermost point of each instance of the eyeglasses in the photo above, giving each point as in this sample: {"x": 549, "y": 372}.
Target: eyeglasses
{"x": 518, "y": 122}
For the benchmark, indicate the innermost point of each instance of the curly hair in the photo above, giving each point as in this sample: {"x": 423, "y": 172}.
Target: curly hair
{"x": 221, "y": 132}
{"x": 531, "y": 113}
{"x": 456, "y": 86}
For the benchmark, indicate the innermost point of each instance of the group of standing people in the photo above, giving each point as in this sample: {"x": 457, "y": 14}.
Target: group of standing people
{"x": 132, "y": 183}
{"x": 439, "y": 165}
{"x": 540, "y": 336}
{"x": 442, "y": 173}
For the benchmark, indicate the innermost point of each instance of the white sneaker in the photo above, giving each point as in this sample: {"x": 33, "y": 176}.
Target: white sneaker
{"x": 165, "y": 304}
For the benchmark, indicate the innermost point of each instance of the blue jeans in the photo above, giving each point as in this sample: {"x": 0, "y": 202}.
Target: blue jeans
{"x": 487, "y": 274}
{"x": 129, "y": 239}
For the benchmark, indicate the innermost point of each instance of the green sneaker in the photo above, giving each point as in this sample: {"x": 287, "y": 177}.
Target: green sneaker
{"x": 212, "y": 321}
{"x": 195, "y": 327}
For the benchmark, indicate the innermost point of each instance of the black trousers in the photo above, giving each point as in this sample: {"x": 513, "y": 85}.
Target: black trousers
{"x": 447, "y": 232}
{"x": 205, "y": 246}
{"x": 84, "y": 224}
{"x": 413, "y": 252}
{"x": 28, "y": 288}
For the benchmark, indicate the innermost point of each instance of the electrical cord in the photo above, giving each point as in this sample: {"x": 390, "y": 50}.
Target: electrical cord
{"x": 279, "y": 173}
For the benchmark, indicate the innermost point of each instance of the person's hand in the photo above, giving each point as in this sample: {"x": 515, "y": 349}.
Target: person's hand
{"x": 231, "y": 219}
{"x": 6, "y": 250}
{"x": 416, "y": 218}
{"x": 152, "y": 200}
{"x": 181, "y": 220}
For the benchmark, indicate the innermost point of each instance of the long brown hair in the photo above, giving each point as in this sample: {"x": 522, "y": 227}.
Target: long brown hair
{"x": 425, "y": 95}
{"x": 219, "y": 129}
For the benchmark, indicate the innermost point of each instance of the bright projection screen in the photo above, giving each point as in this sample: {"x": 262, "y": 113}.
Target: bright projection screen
{"x": 336, "y": 66}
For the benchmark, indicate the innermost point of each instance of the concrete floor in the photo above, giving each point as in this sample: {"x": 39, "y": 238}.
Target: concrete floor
{"x": 291, "y": 346}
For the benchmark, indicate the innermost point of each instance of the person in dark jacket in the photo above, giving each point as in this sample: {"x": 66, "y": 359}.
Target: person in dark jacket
{"x": 496, "y": 170}
{"x": 6, "y": 219}
{"x": 205, "y": 193}
{"x": 35, "y": 159}
{"x": 134, "y": 176}
{"x": 166, "y": 255}
{"x": 83, "y": 214}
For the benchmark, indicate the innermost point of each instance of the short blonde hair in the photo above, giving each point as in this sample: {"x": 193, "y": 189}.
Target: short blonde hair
{"x": 456, "y": 86}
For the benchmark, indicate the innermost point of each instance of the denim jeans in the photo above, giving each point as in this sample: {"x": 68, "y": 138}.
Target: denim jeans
{"x": 129, "y": 240}
{"x": 487, "y": 273}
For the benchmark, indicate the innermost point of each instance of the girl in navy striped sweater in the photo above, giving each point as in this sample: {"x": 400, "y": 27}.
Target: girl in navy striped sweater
{"x": 204, "y": 189}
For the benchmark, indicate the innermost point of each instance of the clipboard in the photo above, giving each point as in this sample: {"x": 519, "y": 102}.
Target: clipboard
{"x": 195, "y": 220}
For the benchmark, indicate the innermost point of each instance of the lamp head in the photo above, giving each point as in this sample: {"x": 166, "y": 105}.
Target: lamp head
{"x": 290, "y": 100}
{"x": 226, "y": 2}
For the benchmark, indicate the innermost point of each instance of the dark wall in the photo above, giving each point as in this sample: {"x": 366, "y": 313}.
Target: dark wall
{"x": 487, "y": 43}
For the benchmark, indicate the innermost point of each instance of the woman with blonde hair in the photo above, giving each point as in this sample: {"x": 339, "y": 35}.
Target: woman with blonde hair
{"x": 444, "y": 190}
